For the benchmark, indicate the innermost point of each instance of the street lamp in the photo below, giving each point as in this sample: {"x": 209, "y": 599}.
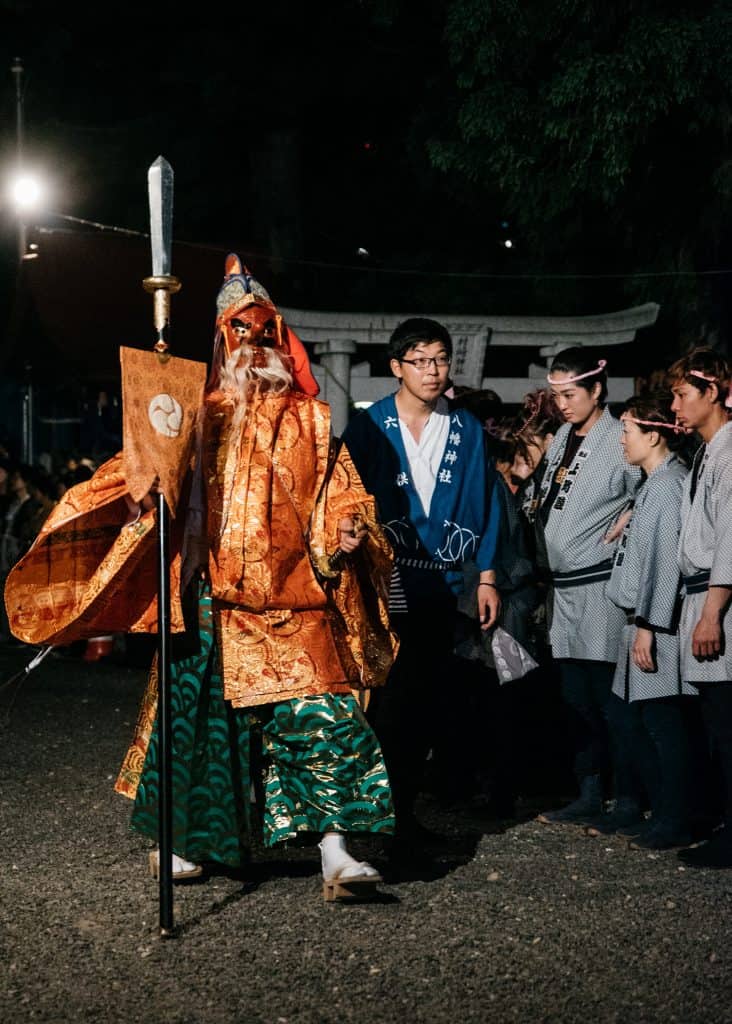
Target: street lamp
{"x": 26, "y": 192}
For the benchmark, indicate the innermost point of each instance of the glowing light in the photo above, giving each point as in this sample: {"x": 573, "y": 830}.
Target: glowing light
{"x": 26, "y": 192}
{"x": 508, "y": 244}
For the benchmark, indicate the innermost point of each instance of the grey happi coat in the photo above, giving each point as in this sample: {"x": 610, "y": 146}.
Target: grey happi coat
{"x": 705, "y": 546}
{"x": 598, "y": 485}
{"x": 646, "y": 581}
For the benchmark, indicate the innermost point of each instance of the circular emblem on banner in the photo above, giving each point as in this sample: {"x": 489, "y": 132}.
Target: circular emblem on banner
{"x": 166, "y": 415}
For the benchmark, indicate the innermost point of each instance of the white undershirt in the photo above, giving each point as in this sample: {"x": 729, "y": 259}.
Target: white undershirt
{"x": 424, "y": 456}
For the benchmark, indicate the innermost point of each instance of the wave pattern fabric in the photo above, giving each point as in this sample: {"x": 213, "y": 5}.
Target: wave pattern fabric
{"x": 325, "y": 770}
{"x": 210, "y": 762}
{"x": 321, "y": 763}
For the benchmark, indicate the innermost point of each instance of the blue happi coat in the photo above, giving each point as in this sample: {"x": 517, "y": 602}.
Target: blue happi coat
{"x": 464, "y": 514}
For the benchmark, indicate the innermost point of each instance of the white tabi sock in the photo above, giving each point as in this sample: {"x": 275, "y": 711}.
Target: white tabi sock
{"x": 337, "y": 861}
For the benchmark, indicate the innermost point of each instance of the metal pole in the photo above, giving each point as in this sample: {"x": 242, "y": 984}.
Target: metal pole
{"x": 27, "y": 426}
{"x": 29, "y": 405}
{"x": 24, "y": 426}
{"x": 165, "y": 780}
{"x": 17, "y": 70}
{"x": 27, "y": 418}
{"x": 161, "y": 285}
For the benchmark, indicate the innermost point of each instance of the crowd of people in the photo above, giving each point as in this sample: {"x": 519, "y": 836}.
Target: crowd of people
{"x": 366, "y": 617}
{"x": 628, "y": 565}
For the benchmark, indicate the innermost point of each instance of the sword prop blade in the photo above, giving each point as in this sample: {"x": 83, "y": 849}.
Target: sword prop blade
{"x": 160, "y": 195}
{"x": 161, "y": 284}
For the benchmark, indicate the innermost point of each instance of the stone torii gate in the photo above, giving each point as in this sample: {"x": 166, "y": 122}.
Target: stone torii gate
{"x": 337, "y": 336}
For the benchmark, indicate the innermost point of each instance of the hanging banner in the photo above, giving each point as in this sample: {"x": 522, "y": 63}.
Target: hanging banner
{"x": 160, "y": 401}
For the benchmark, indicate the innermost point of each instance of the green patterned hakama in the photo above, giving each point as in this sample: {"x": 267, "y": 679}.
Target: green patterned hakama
{"x": 321, "y": 765}
{"x": 325, "y": 771}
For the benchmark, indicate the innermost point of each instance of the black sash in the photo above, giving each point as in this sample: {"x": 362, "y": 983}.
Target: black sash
{"x": 581, "y": 577}
{"x": 697, "y": 583}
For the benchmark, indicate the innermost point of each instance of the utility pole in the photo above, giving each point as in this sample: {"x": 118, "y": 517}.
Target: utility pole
{"x": 17, "y": 70}
{"x": 27, "y": 409}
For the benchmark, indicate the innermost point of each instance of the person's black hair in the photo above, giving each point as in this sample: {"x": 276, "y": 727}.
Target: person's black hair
{"x": 702, "y": 359}
{"x": 24, "y": 471}
{"x": 81, "y": 473}
{"x": 415, "y": 330}
{"x": 501, "y": 448}
{"x": 575, "y": 361}
{"x": 485, "y": 405}
{"x": 655, "y": 407}
{"x": 42, "y": 481}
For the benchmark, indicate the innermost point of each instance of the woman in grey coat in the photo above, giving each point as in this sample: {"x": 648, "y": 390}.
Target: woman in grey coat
{"x": 651, "y": 710}
{"x": 586, "y": 486}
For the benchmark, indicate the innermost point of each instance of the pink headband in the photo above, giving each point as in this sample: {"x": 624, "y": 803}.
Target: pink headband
{"x": 601, "y": 364}
{"x": 533, "y": 409}
{"x": 713, "y": 380}
{"x": 656, "y": 424}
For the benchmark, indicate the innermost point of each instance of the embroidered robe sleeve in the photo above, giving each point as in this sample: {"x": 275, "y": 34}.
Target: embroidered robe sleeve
{"x": 359, "y": 590}
{"x": 86, "y": 572}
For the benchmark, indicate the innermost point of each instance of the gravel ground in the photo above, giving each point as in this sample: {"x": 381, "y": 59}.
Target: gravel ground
{"x": 526, "y": 923}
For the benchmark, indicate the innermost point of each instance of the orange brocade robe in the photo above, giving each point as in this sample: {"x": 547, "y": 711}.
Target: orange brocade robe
{"x": 287, "y": 626}
{"x": 274, "y": 497}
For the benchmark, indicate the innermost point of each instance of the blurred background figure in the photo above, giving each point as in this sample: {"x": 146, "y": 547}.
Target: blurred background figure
{"x": 101, "y": 428}
{"x": 533, "y": 431}
{"x": 514, "y": 741}
{"x": 21, "y": 513}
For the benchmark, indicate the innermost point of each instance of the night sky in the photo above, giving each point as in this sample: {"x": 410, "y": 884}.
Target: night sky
{"x": 295, "y": 131}
{"x": 291, "y": 130}
{"x": 299, "y": 137}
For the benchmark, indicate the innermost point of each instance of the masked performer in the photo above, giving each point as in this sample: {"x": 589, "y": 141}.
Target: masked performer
{"x": 702, "y": 389}
{"x": 586, "y": 485}
{"x": 290, "y": 575}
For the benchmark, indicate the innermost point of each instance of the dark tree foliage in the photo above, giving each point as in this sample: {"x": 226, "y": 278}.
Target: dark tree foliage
{"x": 606, "y": 129}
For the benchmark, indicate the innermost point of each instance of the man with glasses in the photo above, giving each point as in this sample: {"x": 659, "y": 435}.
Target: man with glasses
{"x": 434, "y": 487}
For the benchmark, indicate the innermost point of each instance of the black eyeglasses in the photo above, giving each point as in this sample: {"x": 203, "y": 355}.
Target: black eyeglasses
{"x": 422, "y": 363}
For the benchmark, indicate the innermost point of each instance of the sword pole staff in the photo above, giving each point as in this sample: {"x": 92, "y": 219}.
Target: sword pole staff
{"x": 165, "y": 792}
{"x": 161, "y": 285}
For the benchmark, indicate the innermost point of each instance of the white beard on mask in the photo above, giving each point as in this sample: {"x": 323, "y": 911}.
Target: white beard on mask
{"x": 239, "y": 375}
